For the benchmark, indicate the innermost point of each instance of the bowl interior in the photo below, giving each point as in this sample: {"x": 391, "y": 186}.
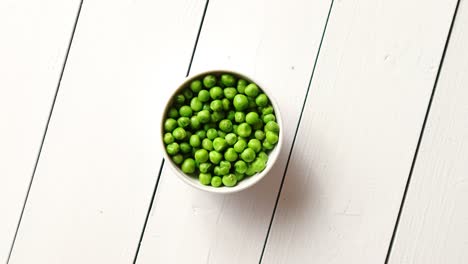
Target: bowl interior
{"x": 247, "y": 181}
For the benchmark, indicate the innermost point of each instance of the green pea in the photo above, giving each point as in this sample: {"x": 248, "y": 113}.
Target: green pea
{"x": 239, "y": 117}
{"x": 209, "y": 81}
{"x": 219, "y": 144}
{"x": 258, "y": 125}
{"x": 207, "y": 144}
{"x": 178, "y": 159}
{"x": 240, "y": 145}
{"x": 228, "y": 79}
{"x": 216, "y": 181}
{"x": 188, "y": 94}
{"x": 230, "y": 92}
{"x": 271, "y": 137}
{"x": 262, "y": 155}
{"x": 252, "y": 90}
{"x": 206, "y": 106}
{"x": 261, "y": 100}
{"x": 185, "y": 111}
{"x": 258, "y": 165}
{"x": 241, "y": 84}
{"x": 195, "y": 122}
{"x": 201, "y": 134}
{"x": 231, "y": 115}
{"x": 267, "y": 110}
{"x": 220, "y": 171}
{"x": 229, "y": 180}
{"x": 205, "y": 167}
{"x": 244, "y": 130}
{"x": 172, "y": 148}
{"x": 185, "y": 147}
{"x": 248, "y": 155}
{"x": 221, "y": 134}
{"x": 231, "y": 138}
{"x": 216, "y": 105}
{"x": 170, "y": 124}
{"x": 260, "y": 135}
{"x": 168, "y": 138}
{"x": 196, "y": 104}
{"x": 216, "y": 93}
{"x": 215, "y": 157}
{"x": 269, "y": 117}
{"x": 230, "y": 155}
{"x": 173, "y": 113}
{"x": 180, "y": 99}
{"x": 239, "y": 176}
{"x": 183, "y": 121}
{"x": 204, "y": 96}
{"x": 267, "y": 145}
{"x": 226, "y": 104}
{"x": 179, "y": 133}
{"x": 211, "y": 133}
{"x": 201, "y": 155}
{"x": 240, "y": 102}
{"x": 252, "y": 118}
{"x": 217, "y": 116}
{"x": 204, "y": 116}
{"x": 225, "y": 164}
{"x": 240, "y": 166}
{"x": 234, "y": 128}
{"x": 188, "y": 166}
{"x": 272, "y": 126}
{"x": 196, "y": 86}
{"x": 195, "y": 141}
{"x": 204, "y": 178}
{"x": 250, "y": 171}
{"x": 255, "y": 144}
{"x": 225, "y": 125}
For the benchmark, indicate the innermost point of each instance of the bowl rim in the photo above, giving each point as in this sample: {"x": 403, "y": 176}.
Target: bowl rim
{"x": 254, "y": 178}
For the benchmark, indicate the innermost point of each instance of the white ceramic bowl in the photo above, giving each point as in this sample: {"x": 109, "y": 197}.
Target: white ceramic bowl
{"x": 247, "y": 181}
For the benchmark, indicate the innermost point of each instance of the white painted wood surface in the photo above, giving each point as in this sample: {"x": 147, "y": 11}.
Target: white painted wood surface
{"x": 434, "y": 223}
{"x": 275, "y": 42}
{"x": 34, "y": 40}
{"x": 359, "y": 131}
{"x": 100, "y": 159}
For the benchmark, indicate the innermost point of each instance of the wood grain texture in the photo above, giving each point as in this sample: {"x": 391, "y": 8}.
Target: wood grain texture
{"x": 100, "y": 159}
{"x": 359, "y": 131}
{"x": 275, "y": 42}
{"x": 434, "y": 223}
{"x": 34, "y": 40}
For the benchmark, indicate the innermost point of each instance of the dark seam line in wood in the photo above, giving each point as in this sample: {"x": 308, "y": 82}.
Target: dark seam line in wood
{"x": 162, "y": 163}
{"x": 45, "y": 131}
{"x": 295, "y": 133}
{"x": 415, "y": 157}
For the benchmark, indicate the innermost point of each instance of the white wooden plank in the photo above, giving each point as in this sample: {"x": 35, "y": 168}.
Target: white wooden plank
{"x": 34, "y": 40}
{"x": 359, "y": 131}
{"x": 100, "y": 159}
{"x": 275, "y": 42}
{"x": 434, "y": 223}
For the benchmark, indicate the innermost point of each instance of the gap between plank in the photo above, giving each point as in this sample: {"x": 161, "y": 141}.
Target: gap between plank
{"x": 162, "y": 163}
{"x": 45, "y": 131}
{"x": 415, "y": 157}
{"x": 295, "y": 133}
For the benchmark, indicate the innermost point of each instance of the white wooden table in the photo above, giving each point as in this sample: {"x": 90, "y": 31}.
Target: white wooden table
{"x": 374, "y": 96}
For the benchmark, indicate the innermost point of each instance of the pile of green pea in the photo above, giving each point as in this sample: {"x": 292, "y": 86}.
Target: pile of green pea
{"x": 220, "y": 129}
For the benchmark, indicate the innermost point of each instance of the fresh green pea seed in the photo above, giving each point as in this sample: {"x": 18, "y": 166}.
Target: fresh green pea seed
{"x": 251, "y": 90}
{"x": 229, "y": 180}
{"x": 201, "y": 155}
{"x": 216, "y": 93}
{"x": 228, "y": 80}
{"x": 170, "y": 124}
{"x": 168, "y": 138}
{"x": 173, "y": 113}
{"x": 261, "y": 100}
{"x": 209, "y": 81}
{"x": 179, "y": 133}
{"x": 248, "y": 155}
{"x": 230, "y": 92}
{"x": 188, "y": 166}
{"x": 204, "y": 178}
{"x": 207, "y": 144}
{"x": 230, "y": 155}
{"x": 216, "y": 181}
{"x": 178, "y": 159}
{"x": 172, "y": 149}
{"x": 183, "y": 121}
